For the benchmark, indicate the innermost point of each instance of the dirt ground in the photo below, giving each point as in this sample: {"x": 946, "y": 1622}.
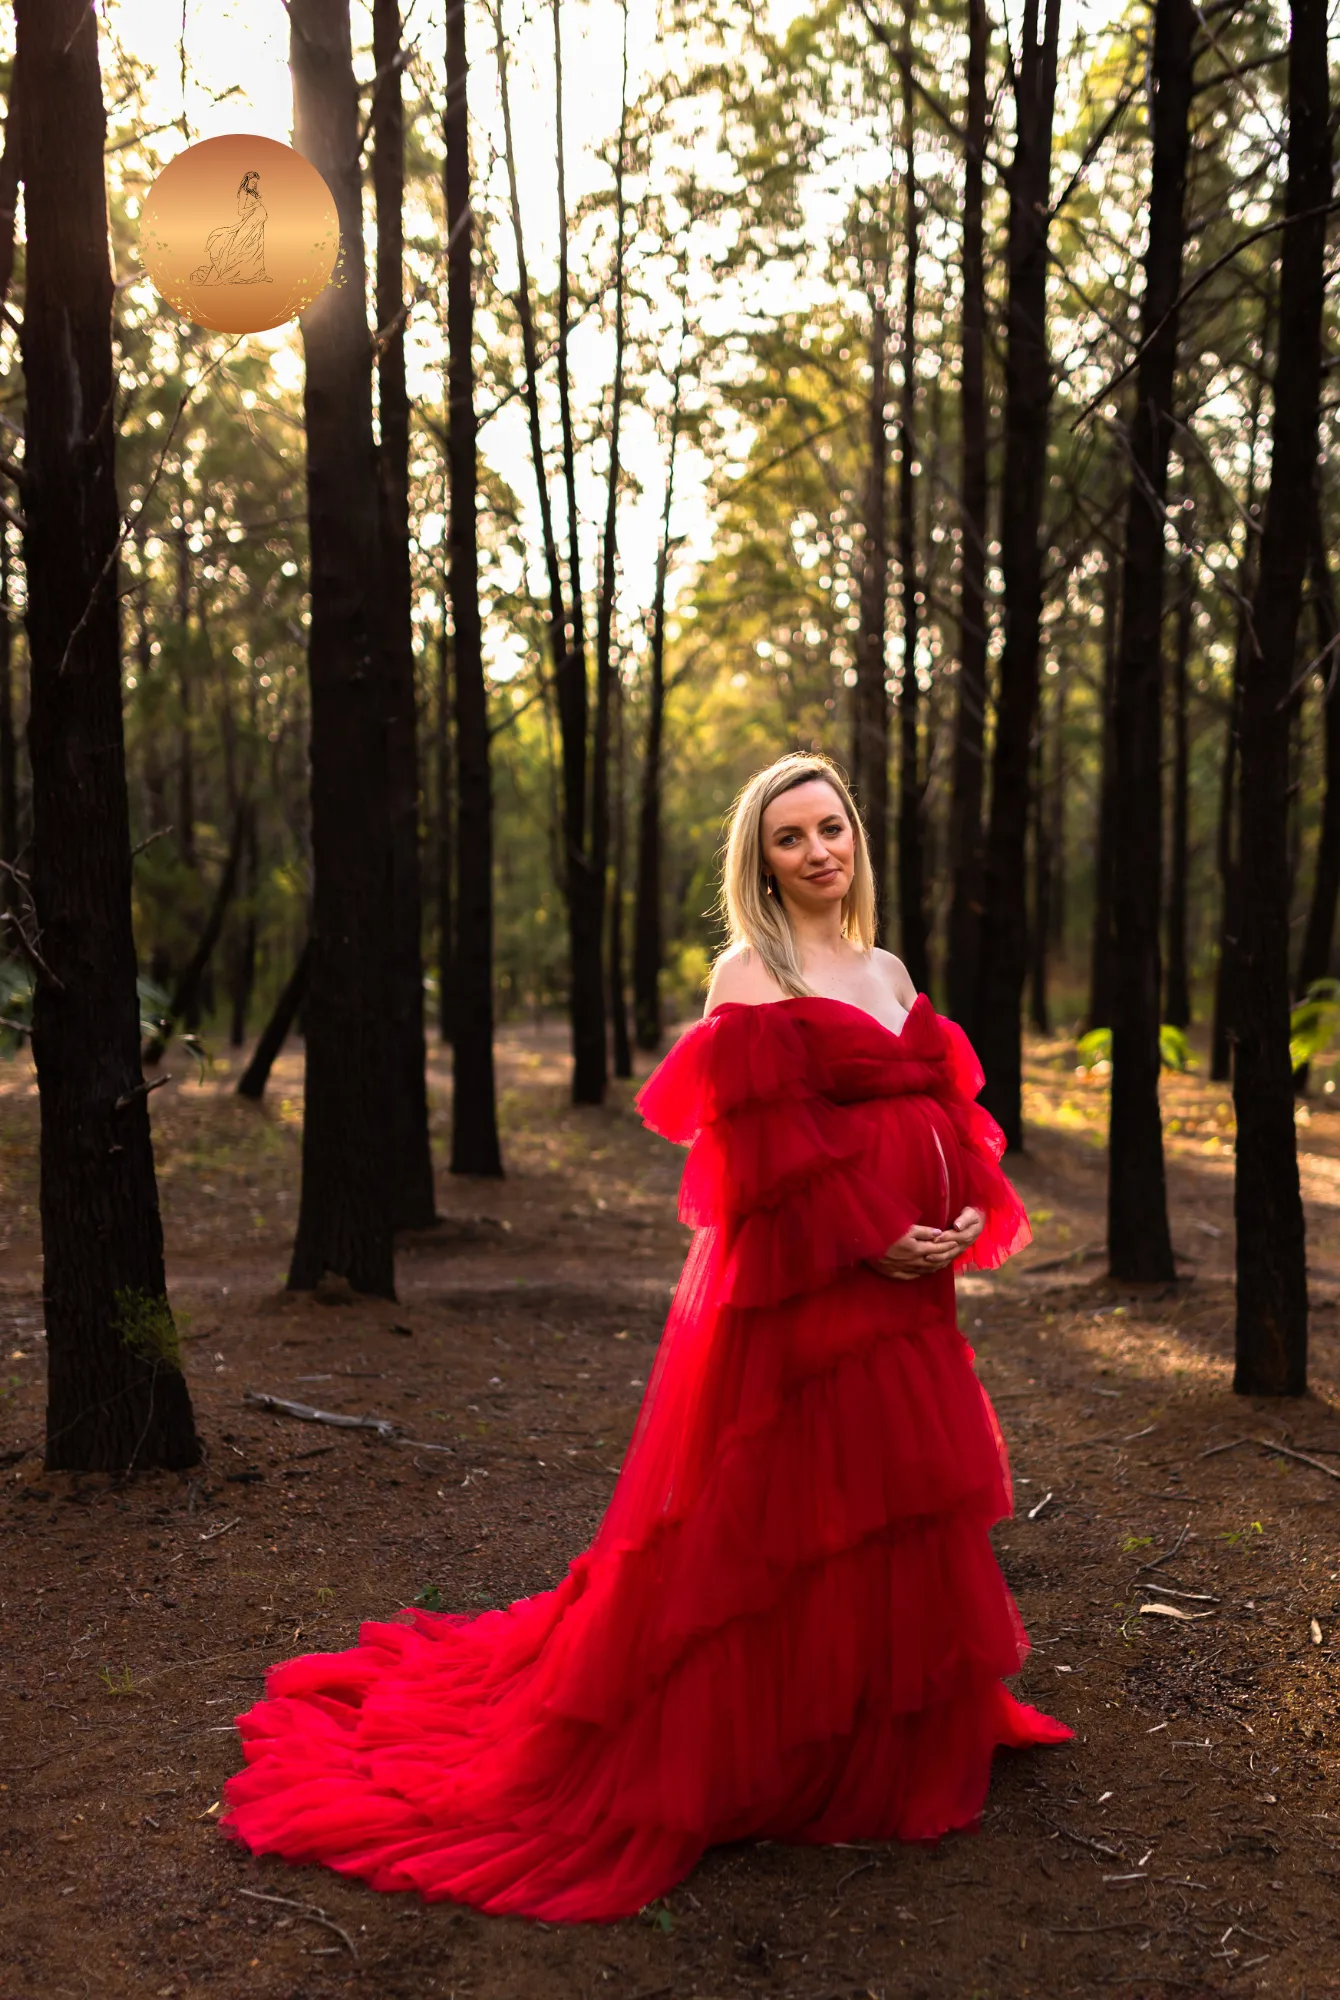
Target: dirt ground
{"x": 1188, "y": 1842}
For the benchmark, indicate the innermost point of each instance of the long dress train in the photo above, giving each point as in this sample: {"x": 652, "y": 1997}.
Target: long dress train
{"x": 790, "y": 1623}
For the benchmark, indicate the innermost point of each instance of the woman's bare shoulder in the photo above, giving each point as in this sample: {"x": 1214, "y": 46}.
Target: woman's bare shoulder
{"x": 895, "y": 976}
{"x": 739, "y": 979}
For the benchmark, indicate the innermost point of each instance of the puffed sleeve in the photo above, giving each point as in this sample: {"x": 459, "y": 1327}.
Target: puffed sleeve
{"x": 981, "y": 1144}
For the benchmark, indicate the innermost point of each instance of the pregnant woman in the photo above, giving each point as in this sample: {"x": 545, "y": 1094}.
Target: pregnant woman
{"x": 236, "y": 250}
{"x": 790, "y": 1624}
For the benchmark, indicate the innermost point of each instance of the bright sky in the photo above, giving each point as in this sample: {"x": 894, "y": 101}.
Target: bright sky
{"x": 240, "y": 47}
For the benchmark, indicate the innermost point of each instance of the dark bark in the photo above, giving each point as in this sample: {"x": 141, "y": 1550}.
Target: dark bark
{"x": 965, "y": 811}
{"x": 618, "y": 996}
{"x": 870, "y": 699}
{"x": 413, "y": 1205}
{"x": 345, "y": 1219}
{"x": 9, "y": 749}
{"x": 274, "y": 1034}
{"x": 1221, "y": 1031}
{"x": 474, "y": 1125}
{"x": 116, "y": 1394}
{"x": 912, "y": 925}
{"x": 1177, "y": 981}
{"x": 585, "y": 876}
{"x": 606, "y": 694}
{"x": 445, "y": 837}
{"x": 185, "y": 1002}
{"x": 1314, "y": 958}
{"x": 647, "y": 948}
{"x": 185, "y": 819}
{"x": 1100, "y": 965}
{"x": 244, "y": 960}
{"x": 1139, "y": 1244}
{"x": 1027, "y": 402}
{"x": 1271, "y": 1328}
{"x": 1040, "y": 927}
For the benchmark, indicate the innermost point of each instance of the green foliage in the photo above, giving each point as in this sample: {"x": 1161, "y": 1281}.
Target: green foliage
{"x": 429, "y": 1599}
{"x": 146, "y": 1326}
{"x": 1314, "y": 1022}
{"x": 1174, "y": 1048}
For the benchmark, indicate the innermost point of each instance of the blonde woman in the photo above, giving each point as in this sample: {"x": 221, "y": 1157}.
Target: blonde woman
{"x": 790, "y": 1624}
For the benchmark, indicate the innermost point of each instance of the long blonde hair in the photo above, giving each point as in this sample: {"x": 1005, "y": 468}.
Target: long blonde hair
{"x": 756, "y": 919}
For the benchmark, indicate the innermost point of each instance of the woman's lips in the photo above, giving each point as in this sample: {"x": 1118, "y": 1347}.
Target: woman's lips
{"x": 825, "y": 875}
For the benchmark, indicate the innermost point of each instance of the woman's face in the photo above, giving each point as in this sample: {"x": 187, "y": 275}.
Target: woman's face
{"x": 808, "y": 845}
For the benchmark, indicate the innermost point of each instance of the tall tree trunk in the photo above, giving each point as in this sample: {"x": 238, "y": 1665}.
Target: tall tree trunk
{"x": 870, "y": 697}
{"x": 1027, "y": 402}
{"x": 965, "y": 812}
{"x": 345, "y": 1220}
{"x": 9, "y": 750}
{"x": 1271, "y": 1329}
{"x": 1057, "y": 819}
{"x": 244, "y": 965}
{"x": 1314, "y": 959}
{"x": 185, "y": 696}
{"x": 1139, "y": 1244}
{"x": 606, "y": 696}
{"x": 116, "y": 1395}
{"x": 1040, "y": 928}
{"x": 1226, "y": 849}
{"x": 446, "y": 838}
{"x": 185, "y": 1002}
{"x": 474, "y": 1120}
{"x": 274, "y": 1034}
{"x": 1177, "y": 989}
{"x": 1100, "y": 965}
{"x": 913, "y": 929}
{"x": 584, "y": 868}
{"x": 618, "y": 997}
{"x": 413, "y": 1203}
{"x": 647, "y": 949}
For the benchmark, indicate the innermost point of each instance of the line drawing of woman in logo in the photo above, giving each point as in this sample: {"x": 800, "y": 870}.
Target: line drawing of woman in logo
{"x": 237, "y": 250}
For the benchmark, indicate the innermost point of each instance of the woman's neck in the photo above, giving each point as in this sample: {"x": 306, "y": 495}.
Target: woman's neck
{"x": 818, "y": 933}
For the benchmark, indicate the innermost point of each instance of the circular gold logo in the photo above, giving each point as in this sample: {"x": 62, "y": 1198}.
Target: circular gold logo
{"x": 239, "y": 233}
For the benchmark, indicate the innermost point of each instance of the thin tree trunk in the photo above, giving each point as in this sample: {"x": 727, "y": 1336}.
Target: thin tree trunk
{"x": 1100, "y": 964}
{"x": 185, "y": 825}
{"x": 275, "y": 1033}
{"x": 9, "y": 749}
{"x": 117, "y": 1398}
{"x": 185, "y": 1005}
{"x": 1222, "y": 1032}
{"x": 606, "y": 694}
{"x": 1139, "y": 1244}
{"x": 1057, "y": 821}
{"x": 244, "y": 970}
{"x": 647, "y": 948}
{"x": 446, "y": 848}
{"x": 474, "y": 1120}
{"x": 913, "y": 927}
{"x": 965, "y": 812}
{"x": 870, "y": 702}
{"x": 345, "y": 1220}
{"x": 1027, "y": 402}
{"x": 1040, "y": 930}
{"x": 1177, "y": 989}
{"x": 1271, "y": 1328}
{"x": 413, "y": 1202}
{"x": 585, "y": 866}
{"x": 618, "y": 998}
{"x": 1314, "y": 959}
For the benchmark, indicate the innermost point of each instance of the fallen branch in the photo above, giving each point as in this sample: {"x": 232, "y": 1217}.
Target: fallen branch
{"x": 280, "y": 1406}
{"x": 1232, "y": 1445}
{"x": 1287, "y": 1451}
{"x": 1085, "y": 1250}
{"x": 1159, "y": 1561}
{"x": 308, "y": 1912}
{"x": 212, "y": 1534}
{"x": 1082, "y": 1840}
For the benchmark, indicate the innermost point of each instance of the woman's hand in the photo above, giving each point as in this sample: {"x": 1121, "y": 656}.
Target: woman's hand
{"x": 924, "y": 1250}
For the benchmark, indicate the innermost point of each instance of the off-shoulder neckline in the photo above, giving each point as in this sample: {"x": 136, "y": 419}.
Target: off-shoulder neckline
{"x": 809, "y": 999}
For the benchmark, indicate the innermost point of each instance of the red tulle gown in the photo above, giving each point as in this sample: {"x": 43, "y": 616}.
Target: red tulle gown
{"x": 790, "y": 1624}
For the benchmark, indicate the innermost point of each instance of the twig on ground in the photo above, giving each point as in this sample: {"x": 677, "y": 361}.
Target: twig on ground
{"x": 1159, "y": 1561}
{"x": 307, "y": 1911}
{"x": 1033, "y": 1512}
{"x": 212, "y": 1534}
{"x": 280, "y": 1406}
{"x": 1232, "y": 1445}
{"x": 859, "y": 1869}
{"x": 1083, "y": 1840}
{"x": 1287, "y": 1451}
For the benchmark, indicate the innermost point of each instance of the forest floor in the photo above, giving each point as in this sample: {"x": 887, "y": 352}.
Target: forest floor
{"x": 1187, "y": 1842}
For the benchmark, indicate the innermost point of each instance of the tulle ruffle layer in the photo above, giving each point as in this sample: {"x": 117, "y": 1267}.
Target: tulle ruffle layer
{"x": 790, "y": 1623}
